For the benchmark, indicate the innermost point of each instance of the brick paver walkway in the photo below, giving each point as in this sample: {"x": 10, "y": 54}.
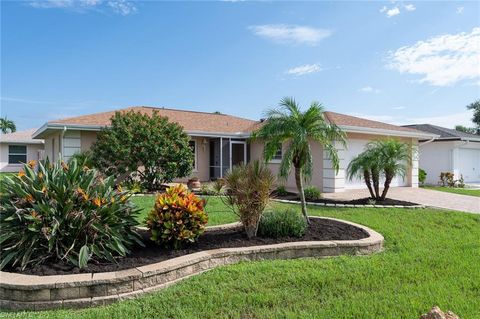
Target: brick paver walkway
{"x": 421, "y": 196}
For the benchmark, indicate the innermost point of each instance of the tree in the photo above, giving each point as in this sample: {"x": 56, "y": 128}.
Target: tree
{"x": 149, "y": 148}
{"x": 386, "y": 158}
{"x": 296, "y": 129}
{"x": 475, "y": 106}
{"x": 465, "y": 129}
{"x": 7, "y": 126}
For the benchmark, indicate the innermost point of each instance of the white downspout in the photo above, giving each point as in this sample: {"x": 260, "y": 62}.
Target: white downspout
{"x": 61, "y": 141}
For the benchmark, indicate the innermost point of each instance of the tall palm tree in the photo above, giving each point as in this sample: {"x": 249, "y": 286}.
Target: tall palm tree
{"x": 7, "y": 126}
{"x": 296, "y": 129}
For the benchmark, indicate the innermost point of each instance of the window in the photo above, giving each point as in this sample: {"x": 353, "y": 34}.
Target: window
{"x": 17, "y": 154}
{"x": 278, "y": 156}
{"x": 193, "y": 146}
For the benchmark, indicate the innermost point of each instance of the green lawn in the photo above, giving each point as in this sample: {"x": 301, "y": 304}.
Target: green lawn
{"x": 432, "y": 258}
{"x": 462, "y": 191}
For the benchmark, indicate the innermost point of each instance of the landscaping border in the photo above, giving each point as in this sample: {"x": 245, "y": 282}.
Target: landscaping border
{"x": 349, "y": 205}
{"x": 27, "y": 292}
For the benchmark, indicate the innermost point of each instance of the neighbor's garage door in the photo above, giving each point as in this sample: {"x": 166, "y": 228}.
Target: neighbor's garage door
{"x": 469, "y": 164}
{"x": 355, "y": 147}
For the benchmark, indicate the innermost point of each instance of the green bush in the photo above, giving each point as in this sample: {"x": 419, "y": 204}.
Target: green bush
{"x": 281, "y": 191}
{"x": 84, "y": 158}
{"x": 215, "y": 188}
{"x": 177, "y": 218}
{"x": 422, "y": 176}
{"x": 312, "y": 193}
{"x": 144, "y": 147}
{"x": 63, "y": 212}
{"x": 284, "y": 223}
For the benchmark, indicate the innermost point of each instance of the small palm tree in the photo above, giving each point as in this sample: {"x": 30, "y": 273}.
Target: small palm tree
{"x": 387, "y": 157}
{"x": 289, "y": 125}
{"x": 7, "y": 126}
{"x": 365, "y": 166}
{"x": 393, "y": 157}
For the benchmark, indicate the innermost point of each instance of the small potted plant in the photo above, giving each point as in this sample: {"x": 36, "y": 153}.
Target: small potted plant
{"x": 194, "y": 183}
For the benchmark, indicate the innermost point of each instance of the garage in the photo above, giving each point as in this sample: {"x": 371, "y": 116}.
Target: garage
{"x": 355, "y": 147}
{"x": 469, "y": 164}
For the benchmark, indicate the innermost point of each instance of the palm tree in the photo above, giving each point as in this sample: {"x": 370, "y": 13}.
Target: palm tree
{"x": 387, "y": 157}
{"x": 290, "y": 126}
{"x": 7, "y": 126}
{"x": 365, "y": 166}
{"x": 393, "y": 157}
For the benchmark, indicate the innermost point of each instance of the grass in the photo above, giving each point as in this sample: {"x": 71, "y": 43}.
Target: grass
{"x": 462, "y": 191}
{"x": 431, "y": 258}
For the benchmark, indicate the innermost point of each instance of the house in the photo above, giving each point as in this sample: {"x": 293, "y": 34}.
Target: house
{"x": 17, "y": 148}
{"x": 452, "y": 151}
{"x": 220, "y": 141}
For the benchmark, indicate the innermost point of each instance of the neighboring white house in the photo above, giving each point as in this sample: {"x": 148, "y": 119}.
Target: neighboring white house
{"x": 453, "y": 151}
{"x": 17, "y": 148}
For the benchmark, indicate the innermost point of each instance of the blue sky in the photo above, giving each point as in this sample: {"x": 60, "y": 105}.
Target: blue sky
{"x": 399, "y": 62}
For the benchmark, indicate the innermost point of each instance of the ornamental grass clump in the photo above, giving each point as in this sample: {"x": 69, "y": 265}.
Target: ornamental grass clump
{"x": 248, "y": 193}
{"x": 177, "y": 218}
{"x": 283, "y": 223}
{"x": 64, "y": 213}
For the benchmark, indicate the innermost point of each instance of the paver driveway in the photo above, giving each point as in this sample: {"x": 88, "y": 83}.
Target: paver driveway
{"x": 421, "y": 196}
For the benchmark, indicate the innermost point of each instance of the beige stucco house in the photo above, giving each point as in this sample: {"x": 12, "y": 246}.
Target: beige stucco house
{"x": 17, "y": 148}
{"x": 220, "y": 141}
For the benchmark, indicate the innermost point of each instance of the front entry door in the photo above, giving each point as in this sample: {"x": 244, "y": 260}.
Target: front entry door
{"x": 239, "y": 155}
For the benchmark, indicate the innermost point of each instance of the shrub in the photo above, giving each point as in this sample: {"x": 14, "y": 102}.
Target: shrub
{"x": 177, "y": 218}
{"x": 284, "y": 223}
{"x": 64, "y": 212}
{"x": 281, "y": 191}
{"x": 312, "y": 193}
{"x": 84, "y": 158}
{"x": 447, "y": 179}
{"x": 248, "y": 193}
{"x": 216, "y": 188}
{"x": 422, "y": 176}
{"x": 147, "y": 147}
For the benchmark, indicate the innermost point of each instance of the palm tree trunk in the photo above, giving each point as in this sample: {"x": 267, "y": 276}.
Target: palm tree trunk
{"x": 376, "y": 184}
{"x": 368, "y": 181}
{"x": 388, "y": 180}
{"x": 299, "y": 182}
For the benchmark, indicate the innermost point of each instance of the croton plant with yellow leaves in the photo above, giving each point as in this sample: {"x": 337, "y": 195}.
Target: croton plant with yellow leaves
{"x": 63, "y": 212}
{"x": 177, "y": 218}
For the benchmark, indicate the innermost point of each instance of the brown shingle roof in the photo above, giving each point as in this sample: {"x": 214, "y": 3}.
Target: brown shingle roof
{"x": 348, "y": 120}
{"x": 24, "y": 137}
{"x": 189, "y": 120}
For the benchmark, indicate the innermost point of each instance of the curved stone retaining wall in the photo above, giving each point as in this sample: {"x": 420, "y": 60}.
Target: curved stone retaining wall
{"x": 26, "y": 292}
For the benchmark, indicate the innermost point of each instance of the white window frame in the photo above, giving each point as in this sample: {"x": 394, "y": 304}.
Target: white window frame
{"x": 195, "y": 166}
{"x": 16, "y": 154}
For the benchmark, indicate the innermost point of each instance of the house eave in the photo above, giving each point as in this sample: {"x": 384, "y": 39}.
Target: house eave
{"x": 378, "y": 131}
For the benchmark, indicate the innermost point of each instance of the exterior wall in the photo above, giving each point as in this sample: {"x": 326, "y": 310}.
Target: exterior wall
{"x": 34, "y": 152}
{"x": 87, "y": 138}
{"x": 443, "y": 156}
{"x": 52, "y": 146}
{"x": 256, "y": 153}
{"x": 436, "y": 157}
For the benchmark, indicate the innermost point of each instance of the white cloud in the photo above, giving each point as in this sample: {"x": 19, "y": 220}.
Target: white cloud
{"x": 122, "y": 7}
{"x": 304, "y": 69}
{"x": 296, "y": 34}
{"x": 383, "y": 9}
{"x": 460, "y": 10}
{"x": 410, "y": 7}
{"x": 393, "y": 12}
{"x": 442, "y": 60}
{"x": 447, "y": 120}
{"x": 369, "y": 89}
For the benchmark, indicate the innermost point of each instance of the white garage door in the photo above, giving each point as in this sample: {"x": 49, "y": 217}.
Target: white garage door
{"x": 469, "y": 164}
{"x": 355, "y": 147}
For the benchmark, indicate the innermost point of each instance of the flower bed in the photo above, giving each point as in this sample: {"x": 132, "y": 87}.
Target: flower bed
{"x": 29, "y": 292}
